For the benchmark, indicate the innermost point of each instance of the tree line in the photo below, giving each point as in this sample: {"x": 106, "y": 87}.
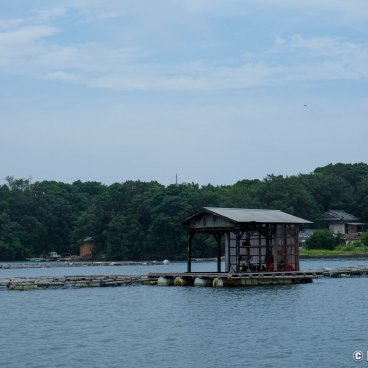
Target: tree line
{"x": 138, "y": 220}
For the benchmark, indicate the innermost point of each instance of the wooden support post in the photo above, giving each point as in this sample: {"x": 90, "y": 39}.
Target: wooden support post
{"x": 267, "y": 255}
{"x": 227, "y": 252}
{"x": 268, "y": 234}
{"x": 239, "y": 235}
{"x": 275, "y": 248}
{"x": 219, "y": 255}
{"x": 218, "y": 238}
{"x": 297, "y": 257}
{"x": 189, "y": 262}
{"x": 285, "y": 248}
{"x": 259, "y": 251}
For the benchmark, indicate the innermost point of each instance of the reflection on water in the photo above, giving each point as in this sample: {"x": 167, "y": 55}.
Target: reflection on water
{"x": 308, "y": 325}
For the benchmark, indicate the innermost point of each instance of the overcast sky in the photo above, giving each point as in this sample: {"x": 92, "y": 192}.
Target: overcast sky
{"x": 213, "y": 90}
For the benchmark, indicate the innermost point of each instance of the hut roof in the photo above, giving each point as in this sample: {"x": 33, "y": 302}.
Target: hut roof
{"x": 244, "y": 215}
{"x": 338, "y": 216}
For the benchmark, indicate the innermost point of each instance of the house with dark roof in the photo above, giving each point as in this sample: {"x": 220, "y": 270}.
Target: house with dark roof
{"x": 341, "y": 222}
{"x": 254, "y": 239}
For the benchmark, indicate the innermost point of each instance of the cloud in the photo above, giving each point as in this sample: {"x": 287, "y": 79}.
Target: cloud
{"x": 211, "y": 76}
{"x": 103, "y": 16}
{"x": 62, "y": 76}
{"x": 349, "y": 10}
{"x": 127, "y": 61}
{"x": 88, "y": 57}
{"x": 343, "y": 11}
{"x": 48, "y": 14}
{"x": 318, "y": 46}
{"x": 105, "y": 66}
{"x": 323, "y": 59}
{"x": 130, "y": 76}
{"x": 25, "y": 35}
{"x": 8, "y": 24}
{"x": 37, "y": 17}
{"x": 23, "y": 42}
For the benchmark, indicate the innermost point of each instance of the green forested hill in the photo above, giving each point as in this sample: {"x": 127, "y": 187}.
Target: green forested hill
{"x": 138, "y": 220}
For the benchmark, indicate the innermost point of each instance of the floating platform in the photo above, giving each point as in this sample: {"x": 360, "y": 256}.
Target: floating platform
{"x": 358, "y": 271}
{"x": 252, "y": 279}
{"x": 209, "y": 279}
{"x": 231, "y": 279}
{"x": 45, "y": 282}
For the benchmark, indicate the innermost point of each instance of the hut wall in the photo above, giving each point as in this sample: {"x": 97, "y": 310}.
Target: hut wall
{"x": 286, "y": 247}
{"x": 210, "y": 221}
{"x": 86, "y": 250}
{"x": 250, "y": 254}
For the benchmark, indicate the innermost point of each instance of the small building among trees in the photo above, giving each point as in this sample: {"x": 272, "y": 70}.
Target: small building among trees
{"x": 86, "y": 247}
{"x": 255, "y": 240}
{"x": 343, "y": 223}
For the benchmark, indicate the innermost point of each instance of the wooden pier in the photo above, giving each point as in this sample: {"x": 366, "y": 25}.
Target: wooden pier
{"x": 210, "y": 279}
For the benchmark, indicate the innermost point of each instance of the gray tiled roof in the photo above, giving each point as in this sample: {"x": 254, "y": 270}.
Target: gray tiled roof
{"x": 338, "y": 215}
{"x": 243, "y": 215}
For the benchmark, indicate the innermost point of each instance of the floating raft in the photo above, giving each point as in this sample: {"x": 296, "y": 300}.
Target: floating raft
{"x": 252, "y": 279}
{"x": 182, "y": 279}
{"x": 45, "y": 282}
{"x": 231, "y": 279}
{"x": 359, "y": 271}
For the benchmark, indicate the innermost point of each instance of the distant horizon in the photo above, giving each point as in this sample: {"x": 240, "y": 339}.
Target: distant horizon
{"x": 34, "y": 180}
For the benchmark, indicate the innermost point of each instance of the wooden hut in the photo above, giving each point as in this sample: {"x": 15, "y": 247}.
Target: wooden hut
{"x": 255, "y": 240}
{"x": 86, "y": 247}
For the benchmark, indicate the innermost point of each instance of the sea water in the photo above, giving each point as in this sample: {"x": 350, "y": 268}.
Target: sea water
{"x": 309, "y": 325}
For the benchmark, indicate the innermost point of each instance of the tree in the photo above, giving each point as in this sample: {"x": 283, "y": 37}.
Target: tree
{"x": 361, "y": 200}
{"x": 139, "y": 220}
{"x": 322, "y": 239}
{"x": 352, "y": 173}
{"x": 364, "y": 239}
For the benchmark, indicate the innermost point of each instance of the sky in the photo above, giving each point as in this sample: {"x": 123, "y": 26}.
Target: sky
{"x": 214, "y": 91}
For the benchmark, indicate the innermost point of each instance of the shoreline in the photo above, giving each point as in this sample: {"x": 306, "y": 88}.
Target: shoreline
{"x": 27, "y": 264}
{"x": 337, "y": 255}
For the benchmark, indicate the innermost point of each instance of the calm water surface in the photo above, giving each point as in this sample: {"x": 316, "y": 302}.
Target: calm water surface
{"x": 313, "y": 325}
